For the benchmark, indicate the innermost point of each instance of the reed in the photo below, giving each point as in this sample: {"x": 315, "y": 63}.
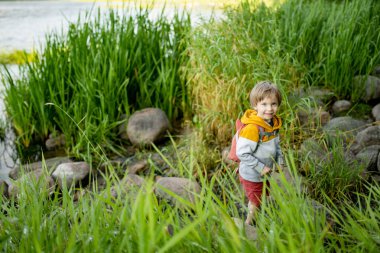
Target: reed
{"x": 141, "y": 222}
{"x": 102, "y": 68}
{"x": 295, "y": 44}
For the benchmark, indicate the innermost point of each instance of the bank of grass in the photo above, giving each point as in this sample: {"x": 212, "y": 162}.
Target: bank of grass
{"x": 96, "y": 75}
{"x": 297, "y": 44}
{"x": 38, "y": 221}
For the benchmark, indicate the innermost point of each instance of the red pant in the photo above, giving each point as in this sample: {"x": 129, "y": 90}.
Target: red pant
{"x": 254, "y": 190}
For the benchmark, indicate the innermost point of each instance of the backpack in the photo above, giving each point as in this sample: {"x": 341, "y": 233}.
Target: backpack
{"x": 239, "y": 126}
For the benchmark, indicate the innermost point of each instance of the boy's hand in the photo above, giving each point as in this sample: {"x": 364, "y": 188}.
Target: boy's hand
{"x": 265, "y": 171}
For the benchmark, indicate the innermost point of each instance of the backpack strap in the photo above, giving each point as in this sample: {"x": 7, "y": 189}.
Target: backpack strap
{"x": 262, "y": 133}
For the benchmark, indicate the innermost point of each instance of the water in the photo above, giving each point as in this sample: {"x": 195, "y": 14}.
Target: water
{"x": 24, "y": 24}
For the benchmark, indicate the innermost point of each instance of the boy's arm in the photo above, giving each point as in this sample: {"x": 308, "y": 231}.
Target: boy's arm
{"x": 246, "y": 146}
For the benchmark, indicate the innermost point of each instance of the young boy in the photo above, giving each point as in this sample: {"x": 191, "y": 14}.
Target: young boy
{"x": 258, "y": 145}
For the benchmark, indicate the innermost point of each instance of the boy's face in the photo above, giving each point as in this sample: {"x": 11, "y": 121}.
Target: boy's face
{"x": 267, "y": 108}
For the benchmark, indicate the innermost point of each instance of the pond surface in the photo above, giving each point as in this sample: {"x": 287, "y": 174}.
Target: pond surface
{"x": 24, "y": 24}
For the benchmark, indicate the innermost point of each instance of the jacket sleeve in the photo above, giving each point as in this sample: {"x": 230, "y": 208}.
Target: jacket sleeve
{"x": 245, "y": 148}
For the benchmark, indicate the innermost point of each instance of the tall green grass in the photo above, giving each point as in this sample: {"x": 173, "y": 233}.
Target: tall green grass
{"x": 140, "y": 222}
{"x": 332, "y": 40}
{"x": 294, "y": 44}
{"x": 104, "y": 67}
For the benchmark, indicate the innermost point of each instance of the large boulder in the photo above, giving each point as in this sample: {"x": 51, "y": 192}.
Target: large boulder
{"x": 147, "y": 126}
{"x": 343, "y": 128}
{"x": 370, "y": 85}
{"x": 345, "y": 124}
{"x": 368, "y": 137}
{"x": 368, "y": 157}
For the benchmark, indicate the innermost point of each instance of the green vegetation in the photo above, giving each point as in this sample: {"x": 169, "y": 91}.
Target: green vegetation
{"x": 140, "y": 222}
{"x": 297, "y": 44}
{"x": 102, "y": 69}
{"x": 82, "y": 84}
{"x": 17, "y": 57}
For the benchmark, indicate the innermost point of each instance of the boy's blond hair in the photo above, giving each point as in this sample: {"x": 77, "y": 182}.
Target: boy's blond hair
{"x": 262, "y": 90}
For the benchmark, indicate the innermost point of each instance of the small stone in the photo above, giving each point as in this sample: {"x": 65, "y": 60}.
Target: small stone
{"x": 182, "y": 187}
{"x": 341, "y": 106}
{"x": 70, "y": 173}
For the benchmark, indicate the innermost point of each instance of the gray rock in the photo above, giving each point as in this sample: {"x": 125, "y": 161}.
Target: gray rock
{"x": 341, "y": 106}
{"x": 376, "y": 71}
{"x": 321, "y": 96}
{"x": 370, "y": 85}
{"x": 368, "y": 137}
{"x": 324, "y": 117}
{"x": 147, "y": 126}
{"x": 182, "y": 187}
{"x": 51, "y": 164}
{"x": 137, "y": 167}
{"x": 342, "y": 129}
{"x": 129, "y": 185}
{"x": 376, "y": 178}
{"x": 368, "y": 157}
{"x": 68, "y": 174}
{"x": 55, "y": 142}
{"x": 376, "y": 112}
{"x": 310, "y": 149}
{"x": 115, "y": 163}
{"x": 313, "y": 117}
{"x": 345, "y": 124}
{"x": 39, "y": 176}
{"x": 250, "y": 231}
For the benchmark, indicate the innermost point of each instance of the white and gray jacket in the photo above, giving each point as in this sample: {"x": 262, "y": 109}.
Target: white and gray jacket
{"x": 255, "y": 152}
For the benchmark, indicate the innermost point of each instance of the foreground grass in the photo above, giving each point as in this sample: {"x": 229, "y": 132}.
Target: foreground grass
{"x": 227, "y": 59}
{"x": 139, "y": 222}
